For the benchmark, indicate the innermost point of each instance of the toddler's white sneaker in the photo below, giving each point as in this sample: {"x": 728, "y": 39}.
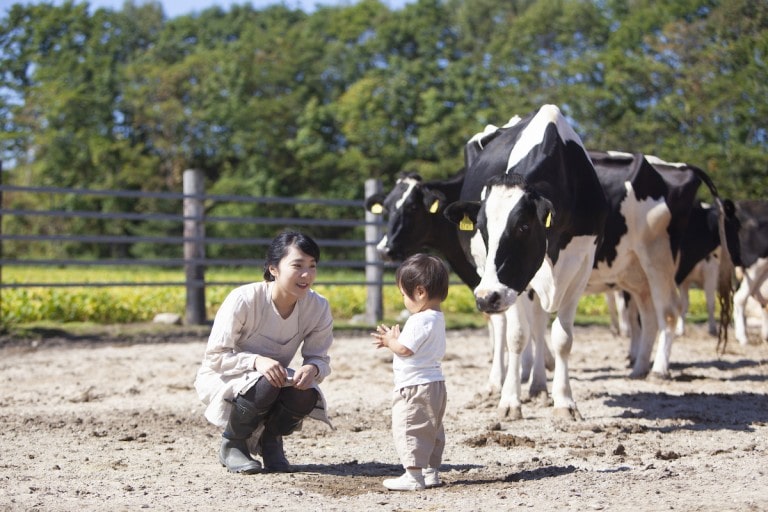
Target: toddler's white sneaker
{"x": 431, "y": 478}
{"x": 411, "y": 480}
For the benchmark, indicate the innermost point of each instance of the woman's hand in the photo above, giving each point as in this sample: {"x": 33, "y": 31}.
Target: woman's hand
{"x": 271, "y": 370}
{"x": 305, "y": 376}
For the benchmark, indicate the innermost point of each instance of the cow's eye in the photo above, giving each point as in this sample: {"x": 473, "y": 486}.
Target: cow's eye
{"x": 523, "y": 229}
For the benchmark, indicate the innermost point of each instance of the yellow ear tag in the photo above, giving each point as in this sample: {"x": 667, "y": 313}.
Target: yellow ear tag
{"x": 466, "y": 224}
{"x": 377, "y": 208}
{"x": 435, "y": 205}
{"x": 548, "y": 221}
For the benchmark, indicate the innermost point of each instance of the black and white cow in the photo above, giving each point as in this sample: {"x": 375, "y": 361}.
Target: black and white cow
{"x": 702, "y": 237}
{"x": 532, "y": 212}
{"x": 699, "y": 264}
{"x": 753, "y": 237}
{"x": 415, "y": 221}
{"x": 650, "y": 208}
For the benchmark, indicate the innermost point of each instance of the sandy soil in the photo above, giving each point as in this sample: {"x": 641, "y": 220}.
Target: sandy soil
{"x": 98, "y": 425}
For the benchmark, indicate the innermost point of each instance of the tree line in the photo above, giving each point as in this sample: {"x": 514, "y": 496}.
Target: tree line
{"x": 280, "y": 102}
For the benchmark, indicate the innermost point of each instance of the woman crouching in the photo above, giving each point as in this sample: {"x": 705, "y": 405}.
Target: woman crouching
{"x": 245, "y": 380}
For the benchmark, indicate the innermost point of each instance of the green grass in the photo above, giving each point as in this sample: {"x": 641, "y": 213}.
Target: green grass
{"x": 140, "y": 303}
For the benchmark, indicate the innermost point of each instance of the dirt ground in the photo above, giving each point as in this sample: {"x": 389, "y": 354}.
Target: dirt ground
{"x": 108, "y": 424}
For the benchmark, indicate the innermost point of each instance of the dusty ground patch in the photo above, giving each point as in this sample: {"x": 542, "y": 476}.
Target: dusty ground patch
{"x": 99, "y": 424}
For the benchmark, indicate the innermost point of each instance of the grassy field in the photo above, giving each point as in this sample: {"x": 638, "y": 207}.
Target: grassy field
{"x": 138, "y": 294}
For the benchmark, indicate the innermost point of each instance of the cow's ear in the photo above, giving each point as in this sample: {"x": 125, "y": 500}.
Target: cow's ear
{"x": 375, "y": 204}
{"x": 434, "y": 200}
{"x": 463, "y": 214}
{"x": 545, "y": 211}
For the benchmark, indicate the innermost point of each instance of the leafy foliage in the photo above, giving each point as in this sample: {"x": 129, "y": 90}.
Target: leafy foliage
{"x": 143, "y": 300}
{"x": 279, "y": 102}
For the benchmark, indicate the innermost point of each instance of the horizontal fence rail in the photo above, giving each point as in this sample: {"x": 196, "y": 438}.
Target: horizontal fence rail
{"x": 191, "y": 222}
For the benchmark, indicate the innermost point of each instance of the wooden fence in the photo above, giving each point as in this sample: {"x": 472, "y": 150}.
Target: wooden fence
{"x": 192, "y": 216}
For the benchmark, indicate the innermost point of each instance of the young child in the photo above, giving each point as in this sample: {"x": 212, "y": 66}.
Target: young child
{"x": 419, "y": 398}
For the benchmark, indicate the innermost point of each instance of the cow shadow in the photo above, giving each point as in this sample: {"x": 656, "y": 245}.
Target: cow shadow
{"x": 716, "y": 411}
{"x": 720, "y": 365}
{"x": 684, "y": 372}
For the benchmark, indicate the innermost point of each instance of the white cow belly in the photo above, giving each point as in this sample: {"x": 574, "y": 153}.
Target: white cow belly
{"x": 568, "y": 276}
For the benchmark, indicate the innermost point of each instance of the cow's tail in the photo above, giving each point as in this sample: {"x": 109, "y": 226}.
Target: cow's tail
{"x": 726, "y": 269}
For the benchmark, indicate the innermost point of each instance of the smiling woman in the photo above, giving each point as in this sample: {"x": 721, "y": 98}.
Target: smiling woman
{"x": 245, "y": 380}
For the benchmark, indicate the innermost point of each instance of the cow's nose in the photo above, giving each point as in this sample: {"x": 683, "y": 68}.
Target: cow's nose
{"x": 386, "y": 253}
{"x": 489, "y": 302}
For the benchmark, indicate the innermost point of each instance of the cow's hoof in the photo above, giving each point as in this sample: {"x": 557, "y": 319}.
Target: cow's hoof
{"x": 540, "y": 398}
{"x": 659, "y": 377}
{"x": 638, "y": 375}
{"x": 567, "y": 414}
{"x": 510, "y": 413}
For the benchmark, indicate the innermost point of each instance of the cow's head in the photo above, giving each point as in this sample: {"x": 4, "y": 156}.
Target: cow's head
{"x": 509, "y": 224}
{"x": 411, "y": 208}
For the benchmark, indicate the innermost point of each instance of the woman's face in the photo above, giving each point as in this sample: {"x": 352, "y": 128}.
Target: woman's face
{"x": 295, "y": 273}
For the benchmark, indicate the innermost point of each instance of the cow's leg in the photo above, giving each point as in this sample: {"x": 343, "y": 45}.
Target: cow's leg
{"x": 762, "y": 298}
{"x": 613, "y": 313}
{"x": 659, "y": 267}
{"x": 740, "y": 311}
{"x": 646, "y": 335}
{"x": 517, "y": 335}
{"x": 562, "y": 341}
{"x": 684, "y": 303}
{"x": 527, "y": 361}
{"x": 618, "y": 312}
{"x": 764, "y": 327}
{"x": 761, "y": 295}
{"x": 497, "y": 328}
{"x": 634, "y": 327}
{"x": 537, "y": 384}
{"x": 667, "y": 306}
{"x": 663, "y": 352}
{"x": 623, "y": 311}
{"x": 753, "y": 284}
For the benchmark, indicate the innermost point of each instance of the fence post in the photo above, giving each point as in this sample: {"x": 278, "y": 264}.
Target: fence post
{"x": 374, "y": 271}
{"x": 194, "y": 246}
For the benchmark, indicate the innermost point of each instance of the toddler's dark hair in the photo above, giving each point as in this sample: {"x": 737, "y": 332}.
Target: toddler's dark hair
{"x": 279, "y": 247}
{"x": 423, "y": 270}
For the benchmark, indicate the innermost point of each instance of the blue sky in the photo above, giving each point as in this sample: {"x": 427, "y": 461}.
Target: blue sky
{"x": 175, "y": 8}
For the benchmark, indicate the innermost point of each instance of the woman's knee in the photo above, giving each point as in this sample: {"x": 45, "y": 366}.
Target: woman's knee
{"x": 300, "y": 400}
{"x": 263, "y": 394}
